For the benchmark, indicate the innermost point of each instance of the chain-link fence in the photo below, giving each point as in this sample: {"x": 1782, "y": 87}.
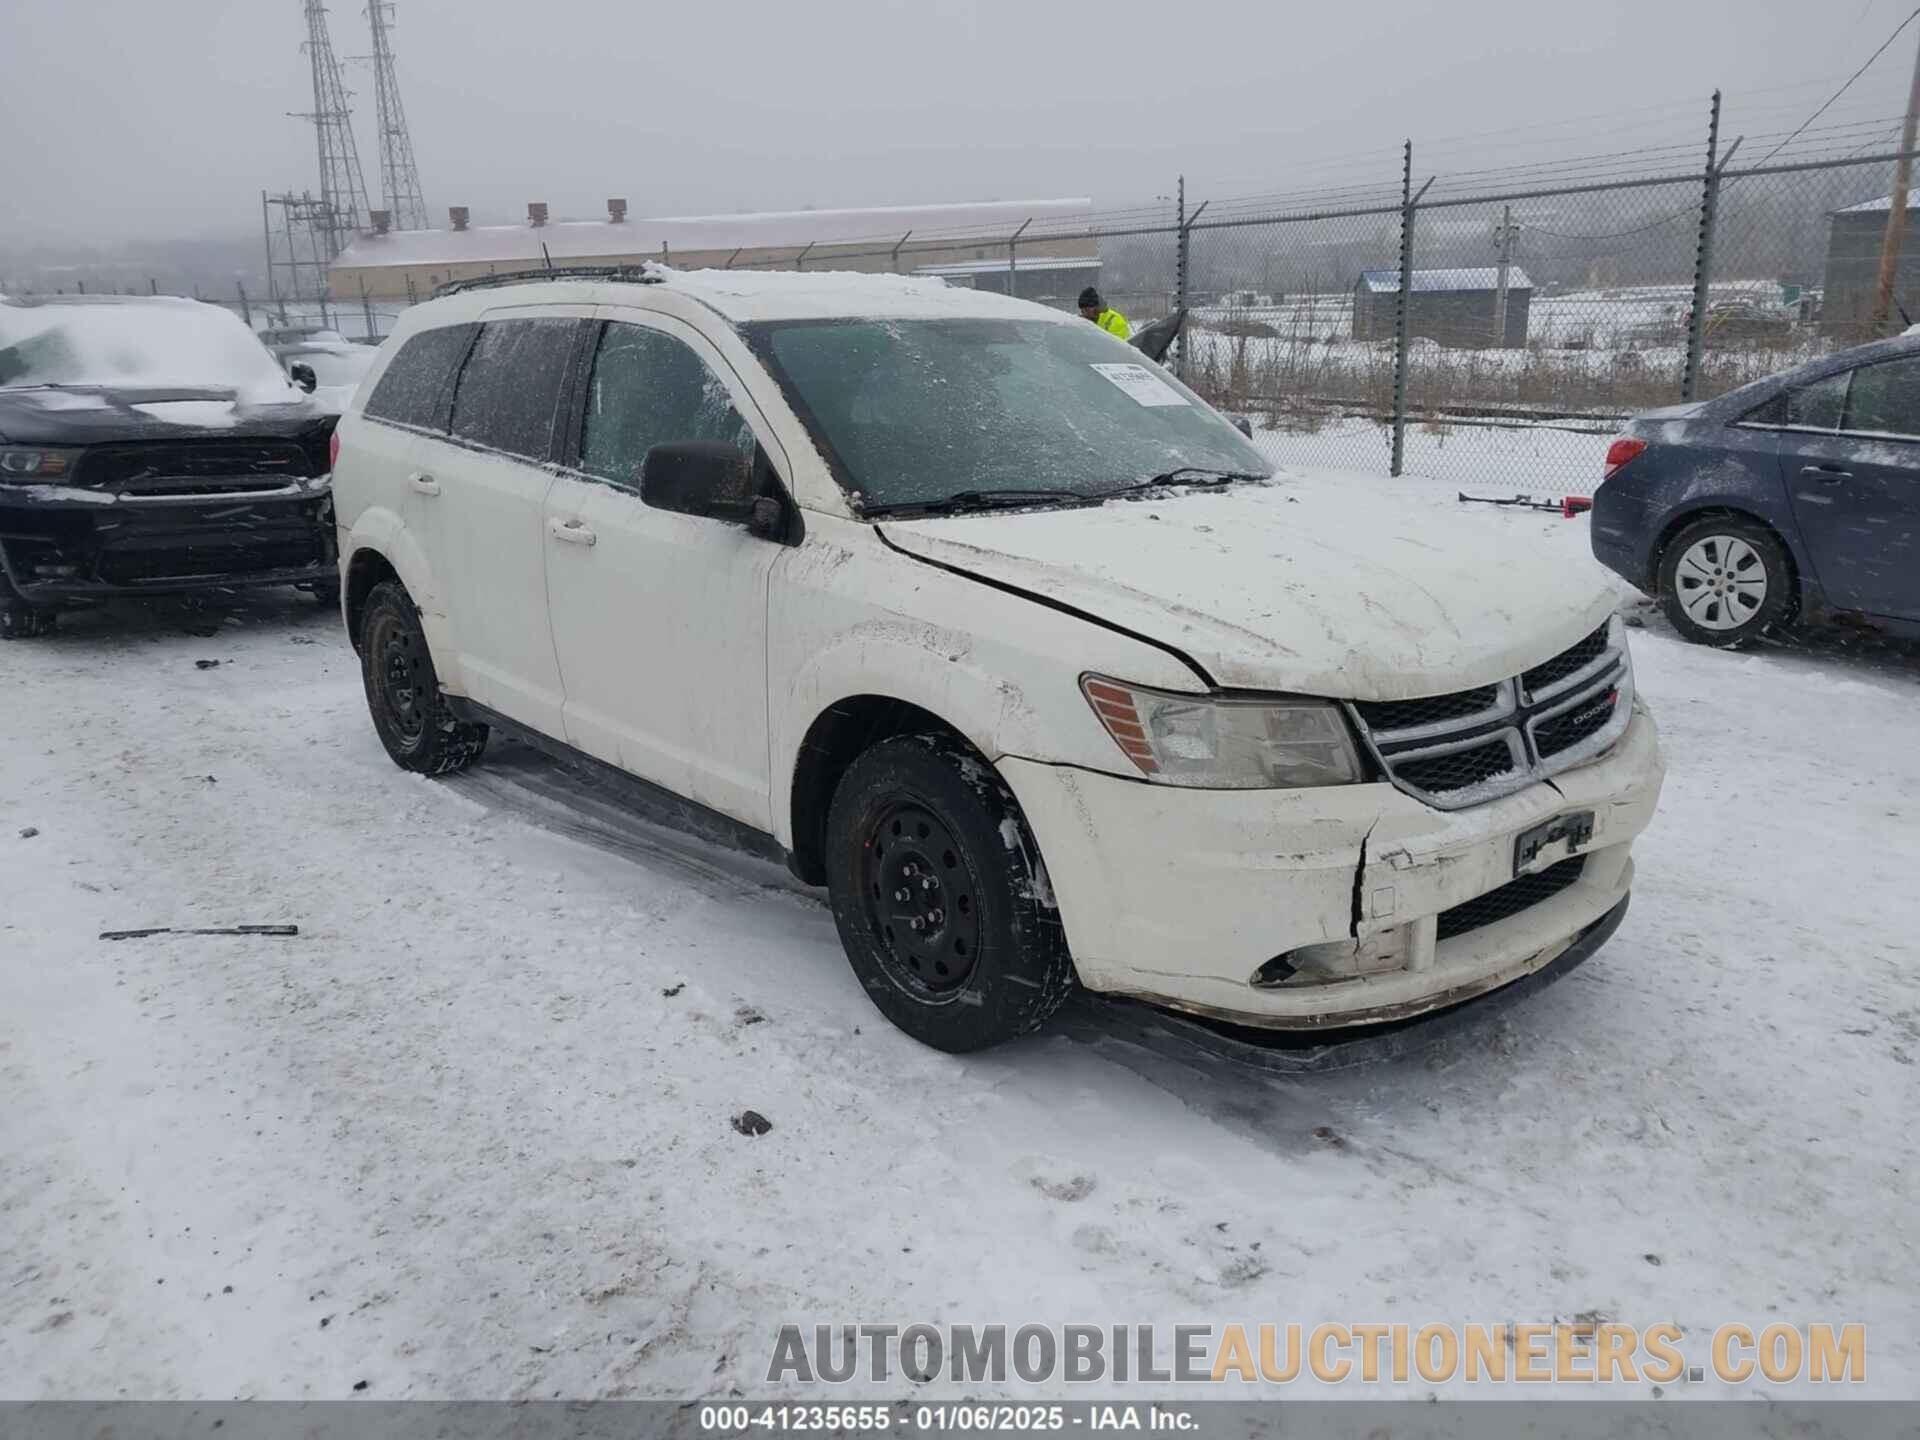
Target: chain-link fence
{"x": 1490, "y": 329}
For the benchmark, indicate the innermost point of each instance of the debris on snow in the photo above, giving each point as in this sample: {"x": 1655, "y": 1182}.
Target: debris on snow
{"x": 752, "y": 1122}
{"x": 280, "y": 931}
{"x": 28, "y": 832}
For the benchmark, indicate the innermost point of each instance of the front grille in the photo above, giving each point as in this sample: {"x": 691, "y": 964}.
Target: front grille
{"x": 1567, "y": 662}
{"x": 130, "y": 565}
{"x": 1473, "y": 745}
{"x": 195, "y": 467}
{"x": 1440, "y": 774}
{"x": 1408, "y": 714}
{"x": 1570, "y": 727}
{"x": 1516, "y": 895}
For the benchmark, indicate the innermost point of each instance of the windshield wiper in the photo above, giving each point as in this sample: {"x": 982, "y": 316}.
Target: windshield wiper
{"x": 969, "y": 500}
{"x": 1197, "y": 476}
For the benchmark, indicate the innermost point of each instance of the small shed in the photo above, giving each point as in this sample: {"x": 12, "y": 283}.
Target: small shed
{"x": 1854, "y": 240}
{"x": 1455, "y": 307}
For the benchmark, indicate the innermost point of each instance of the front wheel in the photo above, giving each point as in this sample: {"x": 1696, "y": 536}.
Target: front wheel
{"x": 1725, "y": 581}
{"x": 20, "y": 619}
{"x": 940, "y": 897}
{"x": 413, "y": 718}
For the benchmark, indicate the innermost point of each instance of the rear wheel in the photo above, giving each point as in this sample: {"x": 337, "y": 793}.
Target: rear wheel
{"x": 413, "y": 718}
{"x": 940, "y": 898}
{"x": 1725, "y": 581}
{"x": 19, "y": 618}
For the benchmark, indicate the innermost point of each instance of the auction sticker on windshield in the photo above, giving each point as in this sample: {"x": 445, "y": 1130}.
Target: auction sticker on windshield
{"x": 1142, "y": 384}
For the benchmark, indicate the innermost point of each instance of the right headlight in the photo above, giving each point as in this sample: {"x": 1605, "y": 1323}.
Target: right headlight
{"x": 1213, "y": 743}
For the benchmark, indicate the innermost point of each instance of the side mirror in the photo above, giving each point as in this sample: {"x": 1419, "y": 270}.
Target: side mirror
{"x": 1242, "y": 424}
{"x": 303, "y": 376}
{"x": 709, "y": 478}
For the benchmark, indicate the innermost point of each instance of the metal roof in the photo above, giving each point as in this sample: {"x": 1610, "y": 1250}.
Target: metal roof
{"x": 1883, "y": 204}
{"x": 686, "y": 234}
{"x": 1473, "y": 277}
{"x": 998, "y": 267}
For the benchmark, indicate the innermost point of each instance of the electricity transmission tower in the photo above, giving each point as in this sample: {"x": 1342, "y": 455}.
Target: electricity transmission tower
{"x": 399, "y": 176}
{"x": 343, "y": 190}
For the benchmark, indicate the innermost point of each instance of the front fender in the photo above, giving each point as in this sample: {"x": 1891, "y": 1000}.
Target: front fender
{"x": 847, "y": 617}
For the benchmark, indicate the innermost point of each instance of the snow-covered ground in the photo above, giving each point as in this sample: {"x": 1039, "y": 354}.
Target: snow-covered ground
{"x": 468, "y": 1133}
{"x": 1544, "y": 460}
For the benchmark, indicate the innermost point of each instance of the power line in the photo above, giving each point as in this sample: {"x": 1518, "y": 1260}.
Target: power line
{"x": 1844, "y": 88}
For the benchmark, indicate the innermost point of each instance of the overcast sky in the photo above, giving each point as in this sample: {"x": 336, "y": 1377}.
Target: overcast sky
{"x": 169, "y": 116}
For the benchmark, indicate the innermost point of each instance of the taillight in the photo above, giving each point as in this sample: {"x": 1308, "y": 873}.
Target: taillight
{"x": 1620, "y": 452}
{"x": 333, "y": 451}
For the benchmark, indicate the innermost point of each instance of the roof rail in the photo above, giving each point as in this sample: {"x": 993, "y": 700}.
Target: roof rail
{"x": 626, "y": 274}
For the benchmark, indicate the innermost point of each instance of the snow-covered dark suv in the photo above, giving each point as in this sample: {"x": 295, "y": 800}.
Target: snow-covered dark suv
{"x": 152, "y": 445}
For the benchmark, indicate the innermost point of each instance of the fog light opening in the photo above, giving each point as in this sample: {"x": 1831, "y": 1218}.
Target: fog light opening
{"x": 1275, "y": 973}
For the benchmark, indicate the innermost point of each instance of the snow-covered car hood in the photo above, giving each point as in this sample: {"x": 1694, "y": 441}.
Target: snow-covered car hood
{"x": 1317, "y": 585}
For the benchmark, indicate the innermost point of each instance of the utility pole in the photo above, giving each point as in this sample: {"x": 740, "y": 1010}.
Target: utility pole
{"x": 1896, "y": 234}
{"x": 1505, "y": 238}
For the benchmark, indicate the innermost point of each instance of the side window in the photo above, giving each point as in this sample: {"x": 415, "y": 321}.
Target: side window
{"x": 417, "y": 385}
{"x": 1885, "y": 398}
{"x": 648, "y": 389}
{"x": 510, "y": 387}
{"x": 1818, "y": 406}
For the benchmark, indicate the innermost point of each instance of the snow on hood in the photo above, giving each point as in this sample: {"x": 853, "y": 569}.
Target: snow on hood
{"x": 144, "y": 343}
{"x": 1319, "y": 585}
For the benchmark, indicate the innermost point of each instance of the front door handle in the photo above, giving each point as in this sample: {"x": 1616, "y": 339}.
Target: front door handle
{"x": 422, "y": 484}
{"x": 1826, "y": 474}
{"x": 573, "y": 532}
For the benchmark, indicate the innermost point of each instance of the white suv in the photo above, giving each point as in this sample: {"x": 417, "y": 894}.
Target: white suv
{"x": 993, "y": 628}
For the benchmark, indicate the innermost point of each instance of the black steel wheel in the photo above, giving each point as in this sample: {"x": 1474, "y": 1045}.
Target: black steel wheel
{"x": 403, "y": 690}
{"x": 940, "y": 897}
{"x": 920, "y": 901}
{"x": 19, "y": 618}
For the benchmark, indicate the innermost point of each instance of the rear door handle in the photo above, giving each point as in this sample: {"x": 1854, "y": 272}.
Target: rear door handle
{"x": 1826, "y": 474}
{"x": 423, "y": 484}
{"x": 573, "y": 532}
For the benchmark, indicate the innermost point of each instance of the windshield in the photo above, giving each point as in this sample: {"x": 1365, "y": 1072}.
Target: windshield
{"x": 910, "y": 412}
{"x": 149, "y": 345}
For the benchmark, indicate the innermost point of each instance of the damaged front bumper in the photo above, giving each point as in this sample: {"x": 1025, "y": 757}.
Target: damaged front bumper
{"x": 70, "y": 544}
{"x": 1346, "y": 905}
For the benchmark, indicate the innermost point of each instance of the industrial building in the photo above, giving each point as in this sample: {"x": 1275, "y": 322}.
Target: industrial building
{"x": 1854, "y": 241}
{"x": 1456, "y": 307}
{"x": 963, "y": 243}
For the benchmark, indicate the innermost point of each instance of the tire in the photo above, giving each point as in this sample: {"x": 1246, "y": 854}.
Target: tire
{"x": 1725, "y": 580}
{"x": 412, "y": 717}
{"x": 921, "y": 816}
{"x": 19, "y": 618}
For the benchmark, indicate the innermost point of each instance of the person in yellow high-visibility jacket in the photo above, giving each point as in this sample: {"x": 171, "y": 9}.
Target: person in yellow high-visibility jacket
{"x": 1103, "y": 314}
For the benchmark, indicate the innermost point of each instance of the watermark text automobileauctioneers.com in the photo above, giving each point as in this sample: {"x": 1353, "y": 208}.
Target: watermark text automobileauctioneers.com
{"x": 1600, "y": 1352}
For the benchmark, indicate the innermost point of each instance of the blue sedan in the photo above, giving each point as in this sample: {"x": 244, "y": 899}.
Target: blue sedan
{"x": 1787, "y": 499}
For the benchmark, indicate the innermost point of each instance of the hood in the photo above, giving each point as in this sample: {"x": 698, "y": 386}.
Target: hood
{"x": 76, "y": 415}
{"x": 1319, "y": 586}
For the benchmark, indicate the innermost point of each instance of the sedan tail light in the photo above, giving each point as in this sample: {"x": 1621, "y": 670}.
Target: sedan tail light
{"x": 1620, "y": 452}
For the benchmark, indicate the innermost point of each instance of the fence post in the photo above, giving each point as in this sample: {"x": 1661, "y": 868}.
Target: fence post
{"x": 366, "y": 311}
{"x": 1703, "y": 256}
{"x": 1013, "y": 240}
{"x": 246, "y": 310}
{"x": 1400, "y": 307}
{"x": 896, "y": 250}
{"x": 1180, "y": 278}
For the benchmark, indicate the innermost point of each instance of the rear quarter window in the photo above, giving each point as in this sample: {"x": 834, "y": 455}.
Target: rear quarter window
{"x": 417, "y": 386}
